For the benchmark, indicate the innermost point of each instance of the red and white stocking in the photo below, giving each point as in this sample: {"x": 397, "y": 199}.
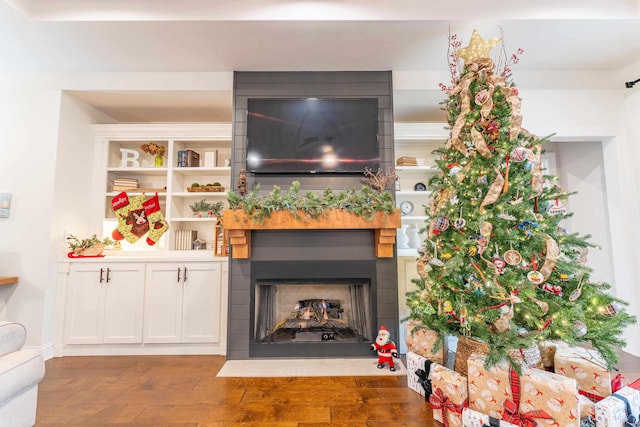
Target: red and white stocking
{"x": 157, "y": 223}
{"x": 132, "y": 221}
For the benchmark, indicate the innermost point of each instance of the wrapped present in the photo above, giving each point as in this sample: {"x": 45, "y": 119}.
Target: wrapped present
{"x": 449, "y": 395}
{"x": 488, "y": 388}
{"x": 421, "y": 341}
{"x": 621, "y": 409}
{"x": 548, "y": 352}
{"x": 536, "y": 398}
{"x": 471, "y": 418}
{"x": 589, "y": 369}
{"x": 418, "y": 368}
{"x": 587, "y": 407}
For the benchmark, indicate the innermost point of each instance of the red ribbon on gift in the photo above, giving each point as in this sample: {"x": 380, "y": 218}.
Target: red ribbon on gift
{"x": 616, "y": 384}
{"x": 591, "y": 396}
{"x": 439, "y": 400}
{"x": 512, "y": 407}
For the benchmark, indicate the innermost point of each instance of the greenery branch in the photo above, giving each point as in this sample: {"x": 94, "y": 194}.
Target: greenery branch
{"x": 365, "y": 202}
{"x": 77, "y": 245}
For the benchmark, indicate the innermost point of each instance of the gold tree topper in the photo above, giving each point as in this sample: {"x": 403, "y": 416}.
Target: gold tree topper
{"x": 477, "y": 48}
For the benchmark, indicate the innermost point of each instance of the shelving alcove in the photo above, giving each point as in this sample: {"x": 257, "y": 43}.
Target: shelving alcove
{"x": 416, "y": 140}
{"x": 150, "y": 299}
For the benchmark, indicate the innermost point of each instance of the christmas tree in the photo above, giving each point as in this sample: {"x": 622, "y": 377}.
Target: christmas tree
{"x": 497, "y": 265}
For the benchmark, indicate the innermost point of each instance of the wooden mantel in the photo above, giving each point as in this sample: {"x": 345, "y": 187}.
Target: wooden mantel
{"x": 239, "y": 225}
{"x": 8, "y": 280}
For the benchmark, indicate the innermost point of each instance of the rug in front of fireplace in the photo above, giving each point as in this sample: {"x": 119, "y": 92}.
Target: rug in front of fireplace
{"x": 334, "y": 367}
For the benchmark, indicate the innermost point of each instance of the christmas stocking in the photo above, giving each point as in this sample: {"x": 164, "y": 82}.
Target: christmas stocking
{"x": 132, "y": 221}
{"x": 157, "y": 223}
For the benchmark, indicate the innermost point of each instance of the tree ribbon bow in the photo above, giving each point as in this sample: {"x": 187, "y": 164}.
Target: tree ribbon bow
{"x": 439, "y": 400}
{"x": 512, "y": 407}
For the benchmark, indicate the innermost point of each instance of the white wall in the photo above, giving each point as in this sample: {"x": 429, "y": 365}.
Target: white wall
{"x": 582, "y": 172}
{"x": 28, "y": 135}
{"x": 630, "y": 192}
{"x": 36, "y": 119}
{"x": 72, "y": 188}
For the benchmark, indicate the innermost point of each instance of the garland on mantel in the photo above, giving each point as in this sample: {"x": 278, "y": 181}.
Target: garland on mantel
{"x": 365, "y": 202}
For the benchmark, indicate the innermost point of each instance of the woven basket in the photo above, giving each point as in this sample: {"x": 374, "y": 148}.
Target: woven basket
{"x": 467, "y": 346}
{"x": 529, "y": 357}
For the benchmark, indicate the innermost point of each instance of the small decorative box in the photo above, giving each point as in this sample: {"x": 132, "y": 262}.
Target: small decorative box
{"x": 421, "y": 341}
{"x": 621, "y": 409}
{"x": 418, "y": 368}
{"x": 587, "y": 367}
{"x": 449, "y": 395}
{"x": 471, "y": 418}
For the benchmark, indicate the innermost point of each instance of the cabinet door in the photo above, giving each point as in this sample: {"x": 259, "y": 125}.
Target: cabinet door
{"x": 84, "y": 312}
{"x": 163, "y": 303}
{"x": 201, "y": 308}
{"x": 124, "y": 291}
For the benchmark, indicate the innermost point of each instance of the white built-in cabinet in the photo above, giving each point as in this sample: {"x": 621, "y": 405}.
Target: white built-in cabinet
{"x": 116, "y": 146}
{"x": 179, "y": 302}
{"x": 150, "y": 305}
{"x": 416, "y": 140}
{"x": 104, "y": 303}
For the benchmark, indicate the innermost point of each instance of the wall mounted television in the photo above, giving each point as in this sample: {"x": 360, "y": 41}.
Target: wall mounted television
{"x": 312, "y": 135}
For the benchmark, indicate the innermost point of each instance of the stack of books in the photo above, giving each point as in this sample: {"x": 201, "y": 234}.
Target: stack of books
{"x": 184, "y": 239}
{"x": 188, "y": 159}
{"x": 407, "y": 161}
{"x": 124, "y": 184}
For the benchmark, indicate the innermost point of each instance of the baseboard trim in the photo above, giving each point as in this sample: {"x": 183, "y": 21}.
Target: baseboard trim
{"x": 139, "y": 349}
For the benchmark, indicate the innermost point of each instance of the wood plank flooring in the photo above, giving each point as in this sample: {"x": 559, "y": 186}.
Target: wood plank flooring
{"x": 183, "y": 391}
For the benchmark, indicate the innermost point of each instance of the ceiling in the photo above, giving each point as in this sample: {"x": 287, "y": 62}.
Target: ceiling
{"x": 409, "y": 37}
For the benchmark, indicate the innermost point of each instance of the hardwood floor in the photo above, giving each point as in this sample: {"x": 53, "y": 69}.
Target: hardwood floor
{"x": 183, "y": 391}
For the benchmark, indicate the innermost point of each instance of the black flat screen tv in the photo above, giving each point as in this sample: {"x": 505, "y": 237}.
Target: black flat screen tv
{"x": 312, "y": 135}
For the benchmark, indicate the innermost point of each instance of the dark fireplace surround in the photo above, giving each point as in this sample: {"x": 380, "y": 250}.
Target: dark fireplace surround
{"x": 310, "y": 256}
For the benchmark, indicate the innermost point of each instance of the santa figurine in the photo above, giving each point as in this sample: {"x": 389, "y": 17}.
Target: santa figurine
{"x": 386, "y": 348}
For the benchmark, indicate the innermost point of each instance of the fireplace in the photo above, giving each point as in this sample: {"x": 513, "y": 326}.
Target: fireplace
{"x": 312, "y": 308}
{"x": 316, "y": 255}
{"x": 310, "y": 294}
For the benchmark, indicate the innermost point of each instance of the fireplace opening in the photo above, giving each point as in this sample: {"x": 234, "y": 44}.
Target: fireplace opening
{"x": 312, "y": 308}
{"x": 294, "y": 312}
